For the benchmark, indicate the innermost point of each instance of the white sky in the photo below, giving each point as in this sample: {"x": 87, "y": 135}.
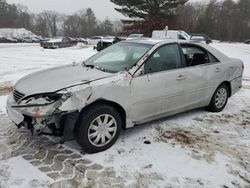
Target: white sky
{"x": 102, "y": 8}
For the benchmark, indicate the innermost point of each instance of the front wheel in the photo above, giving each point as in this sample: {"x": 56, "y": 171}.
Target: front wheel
{"x": 219, "y": 99}
{"x": 98, "y": 128}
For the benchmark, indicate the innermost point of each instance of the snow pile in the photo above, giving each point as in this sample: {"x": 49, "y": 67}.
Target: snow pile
{"x": 16, "y": 32}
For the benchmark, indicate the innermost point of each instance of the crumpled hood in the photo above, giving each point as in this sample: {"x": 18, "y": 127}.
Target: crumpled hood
{"x": 54, "y": 79}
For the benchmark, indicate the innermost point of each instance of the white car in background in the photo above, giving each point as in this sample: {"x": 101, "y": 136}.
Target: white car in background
{"x": 170, "y": 34}
{"x": 126, "y": 84}
{"x": 135, "y": 36}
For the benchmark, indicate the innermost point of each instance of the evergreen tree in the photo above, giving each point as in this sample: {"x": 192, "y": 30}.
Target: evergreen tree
{"x": 209, "y": 19}
{"x": 107, "y": 27}
{"x": 243, "y": 14}
{"x": 149, "y": 12}
{"x": 90, "y": 22}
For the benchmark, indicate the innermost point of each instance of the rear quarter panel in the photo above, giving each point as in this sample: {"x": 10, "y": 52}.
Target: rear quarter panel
{"x": 236, "y": 74}
{"x": 231, "y": 69}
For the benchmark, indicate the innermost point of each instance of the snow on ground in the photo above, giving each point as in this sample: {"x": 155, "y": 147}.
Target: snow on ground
{"x": 192, "y": 149}
{"x": 14, "y": 173}
{"x": 18, "y": 60}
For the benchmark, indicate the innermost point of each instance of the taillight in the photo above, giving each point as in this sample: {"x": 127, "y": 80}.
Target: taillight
{"x": 242, "y": 66}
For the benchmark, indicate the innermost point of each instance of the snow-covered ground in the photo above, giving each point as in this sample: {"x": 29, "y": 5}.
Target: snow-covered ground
{"x": 192, "y": 149}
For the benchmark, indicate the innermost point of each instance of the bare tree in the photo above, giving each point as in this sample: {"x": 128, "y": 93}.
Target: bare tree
{"x": 51, "y": 19}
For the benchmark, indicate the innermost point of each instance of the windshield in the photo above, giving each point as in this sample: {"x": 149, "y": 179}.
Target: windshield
{"x": 118, "y": 57}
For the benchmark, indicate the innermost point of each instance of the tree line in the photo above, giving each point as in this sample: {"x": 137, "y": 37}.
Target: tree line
{"x": 225, "y": 20}
{"x": 50, "y": 23}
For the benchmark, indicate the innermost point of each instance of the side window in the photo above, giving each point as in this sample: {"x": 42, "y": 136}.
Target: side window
{"x": 212, "y": 59}
{"x": 165, "y": 58}
{"x": 181, "y": 37}
{"x": 195, "y": 56}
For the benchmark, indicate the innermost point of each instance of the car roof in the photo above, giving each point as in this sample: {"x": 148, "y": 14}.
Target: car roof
{"x": 159, "y": 42}
{"x": 143, "y": 41}
{"x": 154, "y": 41}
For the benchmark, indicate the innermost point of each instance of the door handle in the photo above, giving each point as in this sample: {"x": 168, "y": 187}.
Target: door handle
{"x": 180, "y": 77}
{"x": 217, "y": 70}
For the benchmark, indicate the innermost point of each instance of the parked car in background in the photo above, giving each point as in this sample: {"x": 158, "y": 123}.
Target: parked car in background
{"x": 247, "y": 41}
{"x": 42, "y": 40}
{"x": 170, "y": 34}
{"x": 60, "y": 42}
{"x": 107, "y": 41}
{"x": 104, "y": 43}
{"x": 19, "y": 39}
{"x": 127, "y": 84}
{"x": 13, "y": 40}
{"x": 201, "y": 38}
{"x": 82, "y": 40}
{"x": 135, "y": 36}
{"x": 94, "y": 40}
{"x": 35, "y": 39}
{"x": 7, "y": 40}
{"x": 27, "y": 40}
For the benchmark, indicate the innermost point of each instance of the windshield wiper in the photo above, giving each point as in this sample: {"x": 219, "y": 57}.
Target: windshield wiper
{"x": 96, "y": 67}
{"x": 93, "y": 67}
{"x": 99, "y": 68}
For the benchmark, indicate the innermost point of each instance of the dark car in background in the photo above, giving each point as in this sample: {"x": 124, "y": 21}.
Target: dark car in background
{"x": 247, "y": 41}
{"x": 60, "y": 42}
{"x": 7, "y": 40}
{"x": 201, "y": 38}
{"x": 107, "y": 41}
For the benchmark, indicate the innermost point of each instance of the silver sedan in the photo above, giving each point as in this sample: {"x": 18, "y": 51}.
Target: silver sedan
{"x": 127, "y": 84}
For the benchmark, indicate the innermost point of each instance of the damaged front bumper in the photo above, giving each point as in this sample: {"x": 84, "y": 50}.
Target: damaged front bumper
{"x": 41, "y": 111}
{"x": 34, "y": 113}
{"x": 13, "y": 114}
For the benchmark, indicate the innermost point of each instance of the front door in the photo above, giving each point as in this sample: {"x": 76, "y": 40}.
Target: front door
{"x": 159, "y": 91}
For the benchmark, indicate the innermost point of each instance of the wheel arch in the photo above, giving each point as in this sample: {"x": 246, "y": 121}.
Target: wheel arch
{"x": 228, "y": 84}
{"x": 117, "y": 106}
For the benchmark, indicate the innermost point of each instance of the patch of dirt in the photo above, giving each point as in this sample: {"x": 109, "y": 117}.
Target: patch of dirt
{"x": 227, "y": 134}
{"x": 186, "y": 137}
{"x": 5, "y": 89}
{"x": 194, "y": 139}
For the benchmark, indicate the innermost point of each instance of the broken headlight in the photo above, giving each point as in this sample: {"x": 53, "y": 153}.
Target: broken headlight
{"x": 41, "y": 99}
{"x": 40, "y": 105}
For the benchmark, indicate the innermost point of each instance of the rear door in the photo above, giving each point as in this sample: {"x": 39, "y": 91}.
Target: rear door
{"x": 203, "y": 74}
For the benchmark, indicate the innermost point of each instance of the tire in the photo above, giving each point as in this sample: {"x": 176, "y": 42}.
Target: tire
{"x": 92, "y": 123}
{"x": 219, "y": 99}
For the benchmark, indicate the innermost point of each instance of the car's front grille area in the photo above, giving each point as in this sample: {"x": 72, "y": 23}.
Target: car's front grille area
{"x": 17, "y": 95}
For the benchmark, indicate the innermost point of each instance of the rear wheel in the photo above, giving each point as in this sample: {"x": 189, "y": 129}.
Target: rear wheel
{"x": 219, "y": 99}
{"x": 98, "y": 128}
